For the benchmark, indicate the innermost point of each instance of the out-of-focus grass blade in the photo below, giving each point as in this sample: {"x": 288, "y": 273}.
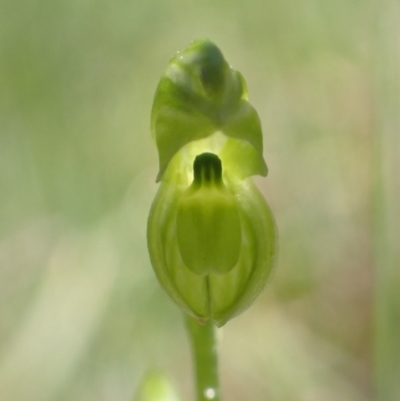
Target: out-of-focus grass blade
{"x": 386, "y": 203}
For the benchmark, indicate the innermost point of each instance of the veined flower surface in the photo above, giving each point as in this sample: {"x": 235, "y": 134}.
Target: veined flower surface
{"x": 211, "y": 236}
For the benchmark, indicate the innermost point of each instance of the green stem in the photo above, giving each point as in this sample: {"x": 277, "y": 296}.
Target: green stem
{"x": 204, "y": 350}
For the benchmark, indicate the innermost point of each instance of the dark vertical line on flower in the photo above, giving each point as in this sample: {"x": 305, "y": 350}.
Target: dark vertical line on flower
{"x": 208, "y": 292}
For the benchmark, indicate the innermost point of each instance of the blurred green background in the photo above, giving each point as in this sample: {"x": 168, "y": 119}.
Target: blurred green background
{"x": 81, "y": 315}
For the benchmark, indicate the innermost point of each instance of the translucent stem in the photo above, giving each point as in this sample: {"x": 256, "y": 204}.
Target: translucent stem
{"x": 204, "y": 350}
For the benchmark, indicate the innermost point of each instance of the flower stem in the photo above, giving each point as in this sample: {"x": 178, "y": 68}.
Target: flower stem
{"x": 203, "y": 341}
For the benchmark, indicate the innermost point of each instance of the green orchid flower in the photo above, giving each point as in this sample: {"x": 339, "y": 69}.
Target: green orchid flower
{"x": 212, "y": 238}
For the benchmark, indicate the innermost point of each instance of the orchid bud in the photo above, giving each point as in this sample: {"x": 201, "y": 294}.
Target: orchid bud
{"x": 211, "y": 236}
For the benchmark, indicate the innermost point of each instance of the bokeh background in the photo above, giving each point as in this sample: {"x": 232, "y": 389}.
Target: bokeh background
{"x": 82, "y": 317}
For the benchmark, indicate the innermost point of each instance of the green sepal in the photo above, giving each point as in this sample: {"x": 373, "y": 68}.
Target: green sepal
{"x": 201, "y": 94}
{"x": 217, "y": 297}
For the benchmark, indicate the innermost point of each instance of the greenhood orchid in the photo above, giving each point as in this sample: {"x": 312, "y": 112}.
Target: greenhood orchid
{"x": 212, "y": 238}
